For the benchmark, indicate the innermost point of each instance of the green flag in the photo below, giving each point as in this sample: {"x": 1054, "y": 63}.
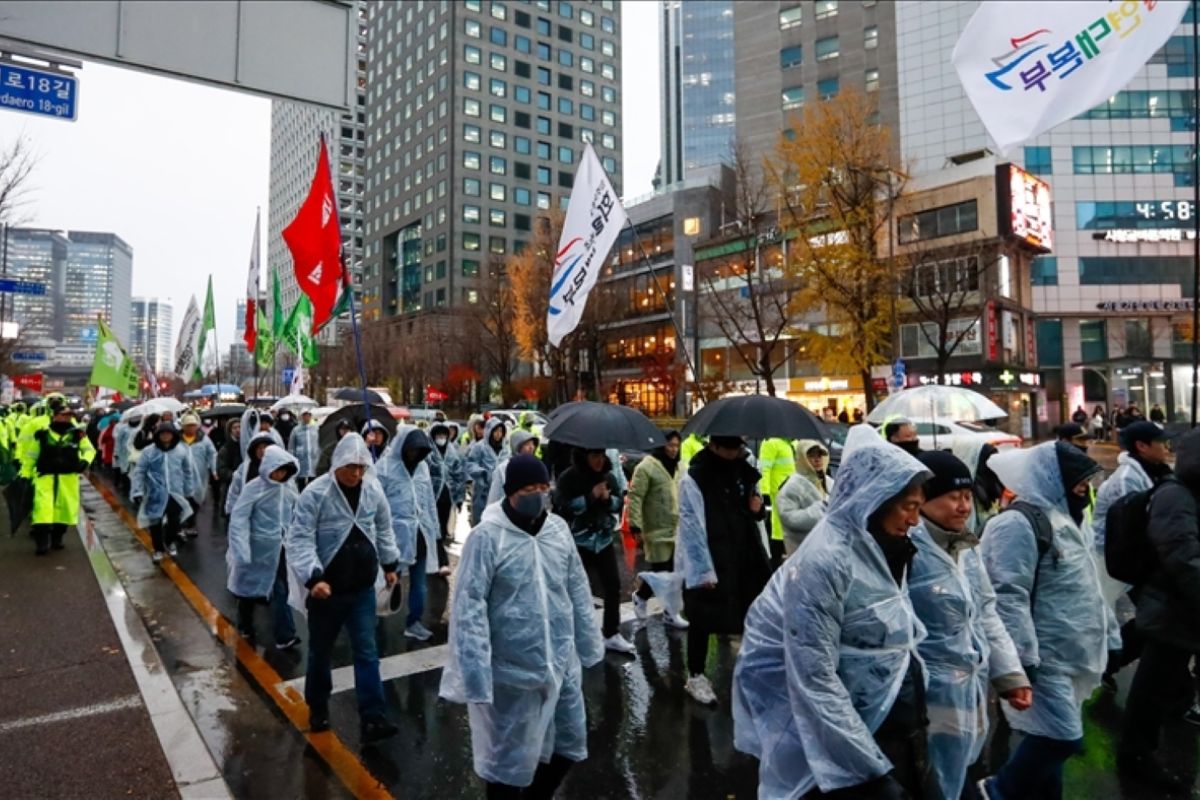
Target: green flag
{"x": 113, "y": 368}
{"x": 264, "y": 350}
{"x": 343, "y": 305}
{"x": 297, "y": 331}
{"x": 207, "y": 323}
{"x": 277, "y": 319}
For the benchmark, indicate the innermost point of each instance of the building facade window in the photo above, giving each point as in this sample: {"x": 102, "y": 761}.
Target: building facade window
{"x": 1139, "y": 159}
{"x": 871, "y": 80}
{"x": 1130, "y": 270}
{"x": 871, "y": 37}
{"x": 827, "y": 48}
{"x": 788, "y": 57}
{"x": 1131, "y": 214}
{"x": 827, "y": 88}
{"x": 793, "y": 98}
{"x": 1044, "y": 271}
{"x": 790, "y": 17}
{"x": 825, "y": 9}
{"x": 1038, "y": 161}
{"x": 936, "y": 222}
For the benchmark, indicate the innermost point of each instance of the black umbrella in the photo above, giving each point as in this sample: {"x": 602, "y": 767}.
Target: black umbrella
{"x": 356, "y": 415}
{"x": 757, "y": 417}
{"x": 599, "y": 426}
{"x": 19, "y": 497}
{"x": 224, "y": 411}
{"x": 353, "y": 395}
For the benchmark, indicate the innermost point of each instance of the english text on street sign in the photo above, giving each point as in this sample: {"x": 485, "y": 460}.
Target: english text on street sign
{"x": 21, "y": 287}
{"x": 38, "y": 91}
{"x": 28, "y": 356}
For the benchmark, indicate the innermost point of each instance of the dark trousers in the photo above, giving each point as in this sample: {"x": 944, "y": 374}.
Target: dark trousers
{"x": 644, "y": 591}
{"x": 1161, "y": 688}
{"x": 1132, "y": 642}
{"x": 545, "y": 782}
{"x": 604, "y": 565}
{"x": 47, "y": 536}
{"x": 417, "y": 580}
{"x": 281, "y": 612}
{"x": 697, "y": 646}
{"x": 909, "y": 759}
{"x": 356, "y": 612}
{"x": 444, "y": 506}
{"x": 166, "y": 530}
{"x": 1035, "y": 770}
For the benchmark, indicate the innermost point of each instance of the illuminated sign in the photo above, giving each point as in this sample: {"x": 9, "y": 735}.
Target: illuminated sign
{"x": 1145, "y": 305}
{"x": 1135, "y": 235}
{"x": 827, "y": 385}
{"x": 1023, "y": 202}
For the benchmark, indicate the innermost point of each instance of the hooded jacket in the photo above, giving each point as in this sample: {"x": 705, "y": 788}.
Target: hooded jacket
{"x": 446, "y": 468}
{"x": 481, "y": 463}
{"x": 802, "y": 499}
{"x": 518, "y": 438}
{"x": 1129, "y": 476}
{"x": 829, "y": 642}
{"x": 204, "y": 462}
{"x": 654, "y": 506}
{"x": 229, "y": 457}
{"x": 591, "y": 520}
{"x": 56, "y": 496}
{"x": 410, "y": 496}
{"x": 777, "y": 462}
{"x": 304, "y": 444}
{"x": 163, "y": 475}
{"x": 376, "y": 425}
{"x": 243, "y": 474}
{"x": 1060, "y": 628}
{"x": 257, "y": 525}
{"x": 1168, "y": 604}
{"x": 250, "y": 424}
{"x": 323, "y": 518}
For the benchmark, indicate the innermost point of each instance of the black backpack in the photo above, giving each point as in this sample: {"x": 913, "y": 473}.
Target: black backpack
{"x": 1128, "y": 554}
{"x": 1043, "y": 534}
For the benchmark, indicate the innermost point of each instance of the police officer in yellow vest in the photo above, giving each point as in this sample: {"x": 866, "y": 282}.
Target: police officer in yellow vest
{"x": 57, "y": 454}
{"x": 776, "y": 463}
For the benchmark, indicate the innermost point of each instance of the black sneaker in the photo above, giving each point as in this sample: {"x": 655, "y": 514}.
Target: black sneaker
{"x": 318, "y": 720}
{"x": 376, "y": 730}
{"x": 1109, "y": 682}
{"x": 287, "y": 644}
{"x": 1144, "y": 768}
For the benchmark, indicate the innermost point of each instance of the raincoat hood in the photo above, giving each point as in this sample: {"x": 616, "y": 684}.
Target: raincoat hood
{"x": 1036, "y": 474}
{"x": 255, "y": 439}
{"x": 274, "y": 458}
{"x": 439, "y": 427}
{"x": 805, "y": 468}
{"x": 872, "y": 471}
{"x": 519, "y": 438}
{"x": 1187, "y": 459}
{"x": 376, "y": 425}
{"x": 410, "y": 438}
{"x": 166, "y": 427}
{"x": 351, "y": 449}
{"x": 968, "y": 450}
{"x": 491, "y": 425}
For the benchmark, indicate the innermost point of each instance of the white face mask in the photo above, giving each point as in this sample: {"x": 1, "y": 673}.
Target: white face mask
{"x": 440, "y": 441}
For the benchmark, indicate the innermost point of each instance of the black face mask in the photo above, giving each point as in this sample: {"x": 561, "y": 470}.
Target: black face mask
{"x": 1077, "y": 506}
{"x": 912, "y": 447}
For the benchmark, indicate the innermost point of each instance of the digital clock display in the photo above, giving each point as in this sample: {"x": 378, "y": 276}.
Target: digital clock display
{"x": 1181, "y": 210}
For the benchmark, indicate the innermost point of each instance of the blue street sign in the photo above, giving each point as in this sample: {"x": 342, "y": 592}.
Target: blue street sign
{"x": 28, "y": 355}
{"x": 288, "y": 374}
{"x": 21, "y": 287}
{"x": 38, "y": 91}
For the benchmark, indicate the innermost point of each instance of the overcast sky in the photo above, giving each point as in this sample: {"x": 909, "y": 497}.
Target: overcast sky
{"x": 177, "y": 169}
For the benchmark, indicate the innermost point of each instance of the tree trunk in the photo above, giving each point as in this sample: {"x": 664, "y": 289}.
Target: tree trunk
{"x": 764, "y": 367}
{"x": 868, "y": 391}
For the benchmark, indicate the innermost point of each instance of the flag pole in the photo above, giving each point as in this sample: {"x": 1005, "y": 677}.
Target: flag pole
{"x": 1195, "y": 219}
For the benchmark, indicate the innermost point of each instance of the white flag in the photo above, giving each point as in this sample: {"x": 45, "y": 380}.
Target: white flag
{"x": 1029, "y": 66}
{"x": 187, "y": 349}
{"x": 594, "y": 218}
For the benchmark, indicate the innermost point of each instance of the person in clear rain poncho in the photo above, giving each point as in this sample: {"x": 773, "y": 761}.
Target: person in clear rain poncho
{"x": 339, "y": 539}
{"x": 257, "y": 569}
{"x": 1051, "y": 604}
{"x": 521, "y": 629}
{"x": 163, "y": 482}
{"x": 521, "y": 441}
{"x": 966, "y": 645}
{"x": 482, "y": 458}
{"x": 248, "y": 469}
{"x": 304, "y": 444}
{"x": 828, "y": 686}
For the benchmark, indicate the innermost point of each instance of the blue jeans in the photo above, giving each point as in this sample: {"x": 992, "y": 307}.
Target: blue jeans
{"x": 1035, "y": 770}
{"x": 416, "y": 584}
{"x": 356, "y": 611}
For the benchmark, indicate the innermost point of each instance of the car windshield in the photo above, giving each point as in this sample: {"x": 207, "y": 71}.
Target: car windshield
{"x": 975, "y": 427}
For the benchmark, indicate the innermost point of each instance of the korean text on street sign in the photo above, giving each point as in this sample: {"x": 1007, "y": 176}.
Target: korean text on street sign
{"x": 39, "y": 91}
{"x": 21, "y": 287}
{"x": 28, "y": 356}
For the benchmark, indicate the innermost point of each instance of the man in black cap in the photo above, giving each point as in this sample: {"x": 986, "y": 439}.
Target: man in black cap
{"x": 1072, "y": 434}
{"x": 1141, "y": 465}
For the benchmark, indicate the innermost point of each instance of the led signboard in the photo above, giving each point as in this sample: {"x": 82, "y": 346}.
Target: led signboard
{"x": 1024, "y": 207}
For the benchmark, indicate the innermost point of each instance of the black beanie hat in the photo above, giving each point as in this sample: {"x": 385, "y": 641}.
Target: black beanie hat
{"x": 949, "y": 473}
{"x": 1074, "y": 465}
{"x": 524, "y": 470}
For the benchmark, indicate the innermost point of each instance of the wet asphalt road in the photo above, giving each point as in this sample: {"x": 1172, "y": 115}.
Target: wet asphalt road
{"x": 647, "y": 739}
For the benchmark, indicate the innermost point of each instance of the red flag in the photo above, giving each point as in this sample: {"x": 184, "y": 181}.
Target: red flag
{"x": 315, "y": 239}
{"x": 251, "y": 336}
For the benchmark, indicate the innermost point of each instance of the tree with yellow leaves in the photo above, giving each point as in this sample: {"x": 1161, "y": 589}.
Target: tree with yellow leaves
{"x": 837, "y": 180}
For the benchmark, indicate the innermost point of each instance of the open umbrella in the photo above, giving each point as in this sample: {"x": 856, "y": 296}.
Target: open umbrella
{"x": 224, "y": 412}
{"x": 357, "y": 417}
{"x": 125, "y": 405}
{"x": 296, "y": 402}
{"x": 18, "y": 495}
{"x": 155, "y": 406}
{"x": 757, "y": 417}
{"x": 931, "y": 402}
{"x": 353, "y": 395}
{"x": 599, "y": 426}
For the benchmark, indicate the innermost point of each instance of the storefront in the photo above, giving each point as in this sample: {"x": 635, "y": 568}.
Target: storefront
{"x": 834, "y": 392}
{"x": 1018, "y": 391}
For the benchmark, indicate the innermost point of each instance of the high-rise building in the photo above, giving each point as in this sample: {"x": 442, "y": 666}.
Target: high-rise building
{"x": 477, "y": 115}
{"x": 97, "y": 282}
{"x": 150, "y": 322}
{"x": 789, "y": 53}
{"x": 1113, "y": 298}
{"x": 295, "y": 131}
{"x": 698, "y": 88}
{"x": 39, "y": 256}
{"x": 239, "y": 325}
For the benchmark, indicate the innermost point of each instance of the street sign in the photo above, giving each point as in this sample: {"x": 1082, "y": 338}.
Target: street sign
{"x": 38, "y": 91}
{"x": 31, "y": 382}
{"x": 8, "y": 286}
{"x": 288, "y": 374}
{"x": 28, "y": 356}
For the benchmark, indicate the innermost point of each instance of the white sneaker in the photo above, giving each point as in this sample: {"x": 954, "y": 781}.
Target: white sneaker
{"x": 701, "y": 690}
{"x": 619, "y": 644}
{"x": 157, "y": 557}
{"x": 419, "y": 632}
{"x": 675, "y": 621}
{"x": 172, "y": 550}
{"x": 639, "y": 608}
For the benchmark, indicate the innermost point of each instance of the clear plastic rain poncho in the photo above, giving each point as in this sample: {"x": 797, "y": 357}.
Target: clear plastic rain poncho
{"x": 257, "y": 526}
{"x": 966, "y": 646}
{"x": 250, "y": 429}
{"x": 515, "y": 441}
{"x": 204, "y": 462}
{"x": 160, "y": 476}
{"x": 967, "y": 449}
{"x": 238, "y": 481}
{"x": 521, "y": 627}
{"x": 481, "y": 462}
{"x": 829, "y": 641}
{"x": 304, "y": 444}
{"x": 1128, "y": 477}
{"x": 1063, "y": 632}
{"x": 323, "y": 520}
{"x": 410, "y": 498}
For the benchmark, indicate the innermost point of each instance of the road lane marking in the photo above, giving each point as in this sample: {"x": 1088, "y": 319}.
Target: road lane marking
{"x": 129, "y": 701}
{"x": 391, "y": 668}
{"x": 341, "y": 760}
{"x": 190, "y": 761}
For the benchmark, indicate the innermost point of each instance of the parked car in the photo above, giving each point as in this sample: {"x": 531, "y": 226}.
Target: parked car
{"x": 942, "y": 433}
{"x": 512, "y": 417}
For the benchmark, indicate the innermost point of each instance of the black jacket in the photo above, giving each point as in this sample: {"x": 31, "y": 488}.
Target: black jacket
{"x": 1168, "y": 604}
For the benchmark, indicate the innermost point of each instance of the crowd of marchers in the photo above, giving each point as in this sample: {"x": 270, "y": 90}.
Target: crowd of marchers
{"x": 884, "y": 613}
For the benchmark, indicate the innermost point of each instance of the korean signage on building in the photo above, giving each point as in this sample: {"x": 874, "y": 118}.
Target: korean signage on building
{"x": 1023, "y": 204}
{"x": 1145, "y": 235}
{"x": 1182, "y": 304}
